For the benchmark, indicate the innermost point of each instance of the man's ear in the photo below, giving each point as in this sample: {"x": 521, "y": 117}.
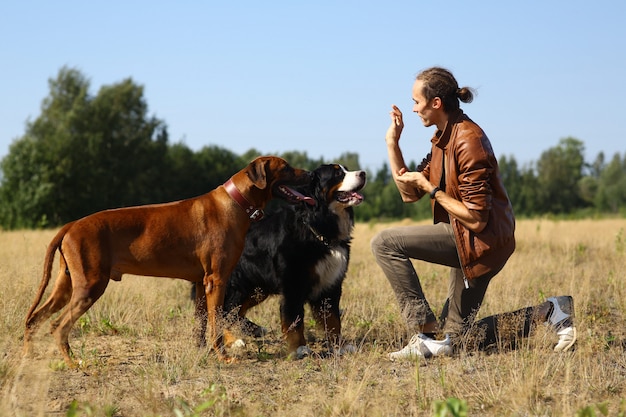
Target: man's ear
{"x": 437, "y": 104}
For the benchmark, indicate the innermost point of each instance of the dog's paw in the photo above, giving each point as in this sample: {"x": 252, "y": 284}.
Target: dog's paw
{"x": 239, "y": 343}
{"x": 260, "y": 332}
{"x": 300, "y": 353}
{"x": 252, "y": 329}
{"x": 303, "y": 351}
{"x": 347, "y": 349}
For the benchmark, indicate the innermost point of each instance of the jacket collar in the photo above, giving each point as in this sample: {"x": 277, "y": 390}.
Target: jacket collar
{"x": 442, "y": 137}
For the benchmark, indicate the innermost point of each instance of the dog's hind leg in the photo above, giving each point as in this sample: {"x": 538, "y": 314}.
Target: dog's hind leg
{"x": 200, "y": 314}
{"x": 328, "y": 317}
{"x": 82, "y": 299}
{"x": 237, "y": 303}
{"x": 236, "y": 315}
{"x": 59, "y": 297}
{"x": 248, "y": 326}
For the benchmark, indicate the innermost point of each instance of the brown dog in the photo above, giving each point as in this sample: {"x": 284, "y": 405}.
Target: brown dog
{"x": 198, "y": 239}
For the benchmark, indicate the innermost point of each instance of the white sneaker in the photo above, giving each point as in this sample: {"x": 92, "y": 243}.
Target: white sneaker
{"x": 421, "y": 346}
{"x": 567, "y": 338}
{"x": 562, "y": 320}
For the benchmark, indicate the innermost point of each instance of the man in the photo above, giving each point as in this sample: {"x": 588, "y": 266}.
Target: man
{"x": 473, "y": 230}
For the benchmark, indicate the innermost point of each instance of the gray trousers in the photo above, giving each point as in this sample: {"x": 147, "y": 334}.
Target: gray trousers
{"x": 394, "y": 248}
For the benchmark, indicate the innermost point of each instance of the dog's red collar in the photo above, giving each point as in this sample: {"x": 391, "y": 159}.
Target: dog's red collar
{"x": 253, "y": 213}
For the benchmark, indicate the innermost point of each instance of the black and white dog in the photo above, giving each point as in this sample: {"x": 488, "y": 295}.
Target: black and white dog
{"x": 300, "y": 252}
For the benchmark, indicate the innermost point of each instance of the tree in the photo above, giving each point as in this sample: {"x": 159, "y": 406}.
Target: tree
{"x": 611, "y": 193}
{"x": 528, "y": 202}
{"x": 559, "y": 172}
{"x": 350, "y": 160}
{"x": 217, "y": 165}
{"x": 24, "y": 193}
{"x": 301, "y": 160}
{"x": 43, "y": 155}
{"x": 188, "y": 174}
{"x": 589, "y": 183}
{"x": 511, "y": 178}
{"x": 83, "y": 154}
{"x": 125, "y": 150}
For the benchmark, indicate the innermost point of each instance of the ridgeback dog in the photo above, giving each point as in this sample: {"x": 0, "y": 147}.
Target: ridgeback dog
{"x": 198, "y": 239}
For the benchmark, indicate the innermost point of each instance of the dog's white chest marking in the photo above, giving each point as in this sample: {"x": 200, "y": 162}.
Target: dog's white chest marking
{"x": 331, "y": 268}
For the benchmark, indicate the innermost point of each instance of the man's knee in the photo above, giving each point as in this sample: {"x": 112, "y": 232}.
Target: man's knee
{"x": 379, "y": 243}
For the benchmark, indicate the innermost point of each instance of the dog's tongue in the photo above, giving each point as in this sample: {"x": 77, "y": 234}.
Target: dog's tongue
{"x": 301, "y": 197}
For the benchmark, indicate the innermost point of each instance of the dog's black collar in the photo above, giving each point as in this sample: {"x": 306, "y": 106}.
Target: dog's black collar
{"x": 321, "y": 237}
{"x": 255, "y": 214}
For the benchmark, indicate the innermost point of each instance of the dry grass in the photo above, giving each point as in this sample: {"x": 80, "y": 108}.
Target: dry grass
{"x": 139, "y": 358}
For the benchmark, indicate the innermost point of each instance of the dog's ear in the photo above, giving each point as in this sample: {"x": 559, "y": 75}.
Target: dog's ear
{"x": 257, "y": 172}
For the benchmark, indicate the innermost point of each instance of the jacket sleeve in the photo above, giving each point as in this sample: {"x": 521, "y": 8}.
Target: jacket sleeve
{"x": 424, "y": 168}
{"x": 476, "y": 165}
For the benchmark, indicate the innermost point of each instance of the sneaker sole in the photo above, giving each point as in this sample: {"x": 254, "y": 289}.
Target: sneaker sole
{"x": 410, "y": 358}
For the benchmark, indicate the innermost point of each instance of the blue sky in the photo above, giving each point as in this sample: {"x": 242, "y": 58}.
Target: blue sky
{"x": 320, "y": 77}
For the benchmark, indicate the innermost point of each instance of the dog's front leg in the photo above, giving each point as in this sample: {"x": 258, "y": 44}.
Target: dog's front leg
{"x": 215, "y": 292}
{"x": 291, "y": 317}
{"x": 328, "y": 317}
{"x": 200, "y": 314}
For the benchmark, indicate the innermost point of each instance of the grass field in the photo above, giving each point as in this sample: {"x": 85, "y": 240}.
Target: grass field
{"x": 139, "y": 358}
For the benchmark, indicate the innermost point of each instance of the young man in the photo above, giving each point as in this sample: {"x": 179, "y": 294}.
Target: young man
{"x": 473, "y": 230}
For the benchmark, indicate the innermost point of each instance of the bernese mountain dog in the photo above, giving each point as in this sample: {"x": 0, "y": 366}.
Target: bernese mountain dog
{"x": 300, "y": 253}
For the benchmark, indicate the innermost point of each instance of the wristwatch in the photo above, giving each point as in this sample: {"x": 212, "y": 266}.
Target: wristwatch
{"x": 433, "y": 192}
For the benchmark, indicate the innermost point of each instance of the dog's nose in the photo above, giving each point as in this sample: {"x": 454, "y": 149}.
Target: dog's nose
{"x": 362, "y": 175}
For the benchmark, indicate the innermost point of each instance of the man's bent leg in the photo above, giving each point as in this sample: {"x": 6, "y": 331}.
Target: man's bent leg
{"x": 506, "y": 330}
{"x": 462, "y": 305}
{"x": 393, "y": 249}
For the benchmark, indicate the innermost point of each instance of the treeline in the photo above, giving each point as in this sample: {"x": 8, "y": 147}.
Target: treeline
{"x": 87, "y": 153}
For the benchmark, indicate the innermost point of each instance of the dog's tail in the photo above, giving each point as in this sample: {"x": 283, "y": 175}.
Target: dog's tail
{"x": 47, "y": 266}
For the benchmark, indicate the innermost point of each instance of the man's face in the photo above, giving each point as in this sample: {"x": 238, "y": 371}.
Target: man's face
{"x": 428, "y": 111}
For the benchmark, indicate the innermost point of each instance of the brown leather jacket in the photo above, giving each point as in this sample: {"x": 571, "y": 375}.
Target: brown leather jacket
{"x": 472, "y": 176}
